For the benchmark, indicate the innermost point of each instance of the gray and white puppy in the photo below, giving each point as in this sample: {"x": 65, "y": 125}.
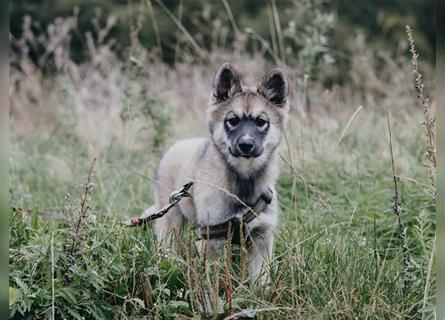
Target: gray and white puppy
{"x": 238, "y": 161}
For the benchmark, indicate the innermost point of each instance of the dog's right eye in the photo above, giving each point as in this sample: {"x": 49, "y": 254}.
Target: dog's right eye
{"x": 233, "y": 122}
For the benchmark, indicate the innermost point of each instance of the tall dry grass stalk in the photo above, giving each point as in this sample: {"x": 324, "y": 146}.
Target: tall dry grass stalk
{"x": 147, "y": 293}
{"x": 397, "y": 209}
{"x": 273, "y": 35}
{"x": 231, "y": 17}
{"x": 430, "y": 121}
{"x": 155, "y": 28}
{"x": 348, "y": 124}
{"x": 201, "y": 52}
{"x": 431, "y": 146}
{"x": 279, "y": 279}
{"x": 278, "y": 31}
{"x": 243, "y": 256}
{"x": 427, "y": 280}
{"x": 227, "y": 274}
{"x": 83, "y": 211}
{"x": 307, "y": 99}
{"x": 53, "y": 280}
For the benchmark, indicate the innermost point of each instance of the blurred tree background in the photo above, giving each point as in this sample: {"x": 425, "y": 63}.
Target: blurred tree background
{"x": 381, "y": 22}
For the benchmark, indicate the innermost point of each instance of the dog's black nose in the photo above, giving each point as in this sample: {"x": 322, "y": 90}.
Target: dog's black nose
{"x": 246, "y": 145}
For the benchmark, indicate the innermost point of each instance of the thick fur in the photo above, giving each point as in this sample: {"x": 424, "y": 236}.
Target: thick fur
{"x": 222, "y": 173}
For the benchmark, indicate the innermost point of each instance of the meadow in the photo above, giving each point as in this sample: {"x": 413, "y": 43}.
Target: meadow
{"x": 86, "y": 140}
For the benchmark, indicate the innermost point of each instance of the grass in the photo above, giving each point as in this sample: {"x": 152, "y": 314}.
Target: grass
{"x": 339, "y": 261}
{"x": 337, "y": 249}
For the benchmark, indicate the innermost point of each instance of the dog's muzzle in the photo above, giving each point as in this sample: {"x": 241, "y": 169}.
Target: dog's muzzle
{"x": 246, "y": 148}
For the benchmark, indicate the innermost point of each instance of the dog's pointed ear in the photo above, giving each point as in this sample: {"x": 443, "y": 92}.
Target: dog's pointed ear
{"x": 227, "y": 82}
{"x": 274, "y": 87}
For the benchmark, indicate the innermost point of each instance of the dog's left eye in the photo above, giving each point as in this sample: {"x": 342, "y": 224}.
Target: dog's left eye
{"x": 234, "y": 121}
{"x": 260, "y": 122}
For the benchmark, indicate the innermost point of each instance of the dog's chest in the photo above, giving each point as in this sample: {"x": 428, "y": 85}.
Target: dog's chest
{"x": 216, "y": 205}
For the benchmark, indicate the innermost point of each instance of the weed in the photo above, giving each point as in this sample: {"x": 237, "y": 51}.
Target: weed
{"x": 430, "y": 122}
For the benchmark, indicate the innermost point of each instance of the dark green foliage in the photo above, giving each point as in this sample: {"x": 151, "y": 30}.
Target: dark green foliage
{"x": 307, "y": 26}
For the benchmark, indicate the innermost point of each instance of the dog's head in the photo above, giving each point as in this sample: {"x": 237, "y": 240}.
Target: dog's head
{"x": 247, "y": 124}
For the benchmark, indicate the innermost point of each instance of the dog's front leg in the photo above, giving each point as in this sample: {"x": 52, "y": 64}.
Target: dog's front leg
{"x": 167, "y": 225}
{"x": 211, "y": 250}
{"x": 260, "y": 255}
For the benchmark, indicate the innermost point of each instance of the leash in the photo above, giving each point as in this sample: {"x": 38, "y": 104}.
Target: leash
{"x": 173, "y": 200}
{"x": 219, "y": 231}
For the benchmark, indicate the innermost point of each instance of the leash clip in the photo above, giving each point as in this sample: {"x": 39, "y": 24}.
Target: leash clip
{"x": 175, "y": 196}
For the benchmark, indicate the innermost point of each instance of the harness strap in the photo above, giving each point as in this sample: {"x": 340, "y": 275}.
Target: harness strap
{"x": 236, "y": 225}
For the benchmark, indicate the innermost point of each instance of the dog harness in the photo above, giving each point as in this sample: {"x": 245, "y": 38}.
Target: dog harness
{"x": 235, "y": 227}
